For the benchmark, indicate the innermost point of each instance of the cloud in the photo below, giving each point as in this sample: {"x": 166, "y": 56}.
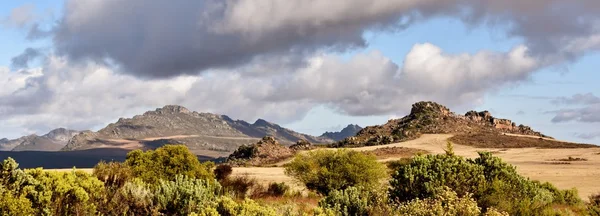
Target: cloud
{"x": 165, "y": 39}
{"x": 20, "y": 17}
{"x": 22, "y": 60}
{"x": 578, "y": 99}
{"x": 77, "y": 95}
{"x": 589, "y": 112}
{"x": 588, "y": 136}
{"x": 520, "y": 112}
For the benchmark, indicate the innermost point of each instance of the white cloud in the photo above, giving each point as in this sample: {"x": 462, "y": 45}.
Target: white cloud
{"x": 76, "y": 95}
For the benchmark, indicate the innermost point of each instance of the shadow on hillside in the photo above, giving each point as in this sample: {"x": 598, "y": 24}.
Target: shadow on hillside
{"x": 69, "y": 159}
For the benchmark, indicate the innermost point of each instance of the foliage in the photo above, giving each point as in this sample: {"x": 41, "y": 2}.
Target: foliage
{"x": 356, "y": 201}
{"x": 13, "y": 204}
{"x": 185, "y": 195}
{"x": 277, "y": 189}
{"x": 228, "y": 207}
{"x": 113, "y": 174}
{"x": 325, "y": 171}
{"x": 66, "y": 193}
{"x": 492, "y": 182}
{"x": 593, "y": 207}
{"x": 222, "y": 172}
{"x": 166, "y": 163}
{"x": 238, "y": 186}
{"x": 445, "y": 202}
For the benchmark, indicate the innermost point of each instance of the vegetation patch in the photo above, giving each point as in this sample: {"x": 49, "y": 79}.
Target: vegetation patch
{"x": 570, "y": 159}
{"x": 395, "y": 152}
{"x": 497, "y": 140}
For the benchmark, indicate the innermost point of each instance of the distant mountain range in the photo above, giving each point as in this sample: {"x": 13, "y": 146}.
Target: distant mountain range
{"x": 204, "y": 133}
{"x": 52, "y": 141}
{"x": 348, "y": 131}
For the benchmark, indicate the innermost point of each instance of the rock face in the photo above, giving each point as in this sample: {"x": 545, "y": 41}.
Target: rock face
{"x": 266, "y": 151}
{"x": 203, "y": 133}
{"x": 301, "y": 145}
{"x": 52, "y": 141}
{"x": 348, "y": 131}
{"x": 431, "y": 117}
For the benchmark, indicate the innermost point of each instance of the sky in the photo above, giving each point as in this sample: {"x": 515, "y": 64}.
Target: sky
{"x": 312, "y": 66}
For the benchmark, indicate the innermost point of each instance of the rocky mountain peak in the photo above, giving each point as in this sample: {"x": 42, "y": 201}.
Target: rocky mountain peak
{"x": 3, "y": 140}
{"x": 173, "y": 109}
{"x": 348, "y": 131}
{"x": 262, "y": 122}
{"x": 429, "y": 107}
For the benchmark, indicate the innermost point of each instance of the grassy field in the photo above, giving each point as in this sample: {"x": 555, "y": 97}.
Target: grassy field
{"x": 541, "y": 164}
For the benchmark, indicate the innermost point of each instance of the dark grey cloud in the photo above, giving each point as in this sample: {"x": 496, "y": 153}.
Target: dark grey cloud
{"x": 167, "y": 38}
{"x": 588, "y": 136}
{"x": 22, "y": 60}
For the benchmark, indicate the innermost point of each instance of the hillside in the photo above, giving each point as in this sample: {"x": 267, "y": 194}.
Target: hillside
{"x": 432, "y": 118}
{"x": 348, "y": 131}
{"x": 52, "y": 141}
{"x": 204, "y": 133}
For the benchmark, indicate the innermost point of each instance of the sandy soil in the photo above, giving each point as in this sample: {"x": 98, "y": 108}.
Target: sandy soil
{"x": 531, "y": 162}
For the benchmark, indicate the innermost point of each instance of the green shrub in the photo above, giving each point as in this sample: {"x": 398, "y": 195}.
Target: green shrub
{"x": 134, "y": 197}
{"x": 166, "y": 163}
{"x": 228, "y": 207}
{"x": 65, "y": 193}
{"x": 324, "y": 171}
{"x": 492, "y": 182}
{"x": 445, "y": 202}
{"x": 356, "y": 201}
{"x": 14, "y": 204}
{"x": 185, "y": 195}
{"x": 113, "y": 174}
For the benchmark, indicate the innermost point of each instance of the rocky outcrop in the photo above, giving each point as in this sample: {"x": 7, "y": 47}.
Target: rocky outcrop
{"x": 301, "y": 145}
{"x": 264, "y": 152}
{"x": 348, "y": 131}
{"x": 430, "y": 117}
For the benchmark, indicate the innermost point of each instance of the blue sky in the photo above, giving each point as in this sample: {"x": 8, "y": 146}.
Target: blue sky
{"x": 530, "y": 99}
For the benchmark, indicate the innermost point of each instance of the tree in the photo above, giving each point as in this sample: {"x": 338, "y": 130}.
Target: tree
{"x": 325, "y": 171}
{"x": 167, "y": 162}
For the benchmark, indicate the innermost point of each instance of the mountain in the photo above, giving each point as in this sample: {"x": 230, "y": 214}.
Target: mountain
{"x": 479, "y": 129}
{"x": 348, "y": 131}
{"x": 204, "y": 133}
{"x": 52, "y": 141}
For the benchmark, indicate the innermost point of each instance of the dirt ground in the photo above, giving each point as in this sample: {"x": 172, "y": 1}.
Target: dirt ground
{"x": 537, "y": 164}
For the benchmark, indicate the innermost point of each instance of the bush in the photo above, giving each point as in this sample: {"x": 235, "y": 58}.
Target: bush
{"x": 66, "y": 193}
{"x": 14, "y": 204}
{"x": 356, "y": 201}
{"x": 445, "y": 202}
{"x": 185, "y": 195}
{"x": 277, "y": 189}
{"x": 325, "y": 171}
{"x": 228, "y": 207}
{"x": 492, "y": 182}
{"x": 238, "y": 186}
{"x": 222, "y": 172}
{"x": 166, "y": 163}
{"x": 593, "y": 207}
{"x": 113, "y": 174}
